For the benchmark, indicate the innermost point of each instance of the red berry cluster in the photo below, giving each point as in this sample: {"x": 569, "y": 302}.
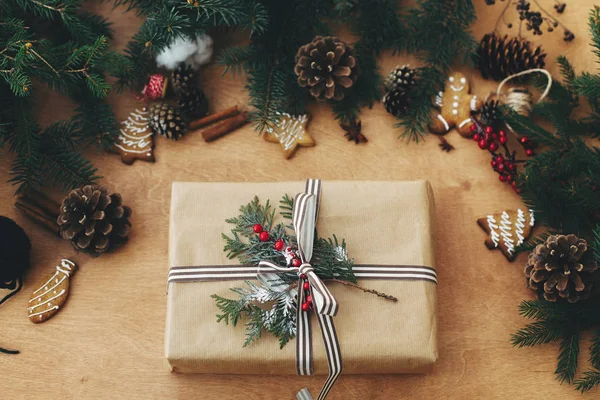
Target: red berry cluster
{"x": 505, "y": 165}
{"x": 307, "y": 304}
{"x": 263, "y": 235}
{"x": 528, "y": 145}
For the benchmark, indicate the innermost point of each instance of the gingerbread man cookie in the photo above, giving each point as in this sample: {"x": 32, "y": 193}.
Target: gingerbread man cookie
{"x": 507, "y": 230}
{"x": 456, "y": 105}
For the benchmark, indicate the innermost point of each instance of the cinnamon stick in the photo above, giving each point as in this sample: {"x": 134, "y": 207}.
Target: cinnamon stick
{"x": 209, "y": 119}
{"x": 37, "y": 215}
{"x": 224, "y": 127}
{"x": 50, "y": 207}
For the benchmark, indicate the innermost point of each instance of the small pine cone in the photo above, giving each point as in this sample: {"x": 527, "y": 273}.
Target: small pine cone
{"x": 396, "y": 102}
{"x": 193, "y": 103}
{"x": 499, "y": 57}
{"x": 183, "y": 78}
{"x": 326, "y": 66}
{"x": 166, "y": 121}
{"x": 561, "y": 267}
{"x": 489, "y": 112}
{"x": 400, "y": 78}
{"x": 94, "y": 220}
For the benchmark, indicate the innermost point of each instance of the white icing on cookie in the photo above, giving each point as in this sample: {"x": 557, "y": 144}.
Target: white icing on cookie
{"x": 519, "y": 226}
{"x": 463, "y": 123}
{"x": 505, "y": 227}
{"x": 444, "y": 122}
{"x": 493, "y": 233}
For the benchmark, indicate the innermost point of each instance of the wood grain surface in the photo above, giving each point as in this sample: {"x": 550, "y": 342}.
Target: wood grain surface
{"x": 107, "y": 343}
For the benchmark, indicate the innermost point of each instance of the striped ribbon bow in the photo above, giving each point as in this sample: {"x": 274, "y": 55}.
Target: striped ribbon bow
{"x": 306, "y": 207}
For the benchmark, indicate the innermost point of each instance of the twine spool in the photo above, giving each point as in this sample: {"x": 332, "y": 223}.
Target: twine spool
{"x": 520, "y": 100}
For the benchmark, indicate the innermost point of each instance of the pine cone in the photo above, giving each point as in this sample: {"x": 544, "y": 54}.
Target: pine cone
{"x": 489, "y": 112}
{"x": 193, "y": 103}
{"x": 183, "y": 78}
{"x": 94, "y": 220}
{"x": 166, "y": 121}
{"x": 400, "y": 78}
{"x": 561, "y": 267}
{"x": 396, "y": 102}
{"x": 499, "y": 57}
{"x": 327, "y": 66}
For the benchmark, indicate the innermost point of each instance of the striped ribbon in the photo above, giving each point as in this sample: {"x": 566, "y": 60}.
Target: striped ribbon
{"x": 305, "y": 212}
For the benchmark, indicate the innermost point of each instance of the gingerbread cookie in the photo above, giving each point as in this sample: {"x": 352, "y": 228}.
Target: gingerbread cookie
{"x": 135, "y": 141}
{"x": 456, "y": 105}
{"x": 290, "y": 132}
{"x": 507, "y": 230}
{"x": 52, "y": 293}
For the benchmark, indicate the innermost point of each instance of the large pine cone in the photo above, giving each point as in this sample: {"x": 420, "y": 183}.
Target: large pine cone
{"x": 166, "y": 121}
{"x": 499, "y": 57}
{"x": 94, "y": 220}
{"x": 561, "y": 267}
{"x": 326, "y": 66}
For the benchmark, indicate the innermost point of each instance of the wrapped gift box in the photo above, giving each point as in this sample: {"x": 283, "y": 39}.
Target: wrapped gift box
{"x": 383, "y": 223}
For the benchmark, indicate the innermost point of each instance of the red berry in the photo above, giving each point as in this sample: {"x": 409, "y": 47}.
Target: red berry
{"x": 306, "y": 285}
{"x": 473, "y": 128}
{"x": 296, "y": 262}
{"x": 502, "y": 178}
{"x": 279, "y": 245}
{"x": 503, "y": 139}
{"x": 529, "y": 152}
{"x": 495, "y": 136}
{"x": 501, "y": 167}
{"x": 302, "y": 276}
{"x": 309, "y": 299}
{"x": 257, "y": 228}
{"x": 489, "y": 129}
{"x": 524, "y": 140}
{"x": 512, "y": 166}
{"x": 494, "y": 163}
{"x": 514, "y": 184}
{"x": 518, "y": 190}
{"x": 288, "y": 249}
{"x": 509, "y": 179}
{"x": 486, "y": 137}
{"x": 499, "y": 158}
{"x": 305, "y": 306}
{"x": 502, "y": 133}
{"x": 476, "y": 136}
{"x": 493, "y": 146}
{"x": 482, "y": 144}
{"x": 264, "y": 236}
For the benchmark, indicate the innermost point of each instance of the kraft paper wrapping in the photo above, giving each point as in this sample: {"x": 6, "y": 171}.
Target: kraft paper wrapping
{"x": 389, "y": 223}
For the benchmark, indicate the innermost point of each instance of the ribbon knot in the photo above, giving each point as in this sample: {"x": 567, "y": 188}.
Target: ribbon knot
{"x": 304, "y": 217}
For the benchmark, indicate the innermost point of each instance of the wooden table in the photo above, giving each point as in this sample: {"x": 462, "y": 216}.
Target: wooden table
{"x": 108, "y": 341}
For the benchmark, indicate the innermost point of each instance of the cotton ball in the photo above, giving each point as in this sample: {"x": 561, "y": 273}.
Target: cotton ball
{"x": 205, "y": 50}
{"x": 176, "y": 52}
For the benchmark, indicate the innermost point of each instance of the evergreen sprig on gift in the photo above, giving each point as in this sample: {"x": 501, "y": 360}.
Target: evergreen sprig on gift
{"x": 57, "y": 44}
{"x": 562, "y": 186}
{"x": 271, "y": 306}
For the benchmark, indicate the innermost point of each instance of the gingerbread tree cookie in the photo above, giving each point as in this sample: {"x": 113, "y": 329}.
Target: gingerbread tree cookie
{"x": 456, "y": 105}
{"x": 52, "y": 293}
{"x": 135, "y": 141}
{"x": 290, "y": 132}
{"x": 507, "y": 230}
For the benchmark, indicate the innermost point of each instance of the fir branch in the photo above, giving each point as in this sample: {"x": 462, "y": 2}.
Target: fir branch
{"x": 541, "y": 309}
{"x": 539, "y": 332}
{"x": 567, "y": 359}
{"x": 595, "y": 350}
{"x": 590, "y": 380}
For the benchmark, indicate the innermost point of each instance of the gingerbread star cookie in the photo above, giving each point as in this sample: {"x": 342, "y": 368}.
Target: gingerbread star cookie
{"x": 135, "y": 140}
{"x": 290, "y": 132}
{"x": 507, "y": 230}
{"x": 456, "y": 106}
{"x": 52, "y": 293}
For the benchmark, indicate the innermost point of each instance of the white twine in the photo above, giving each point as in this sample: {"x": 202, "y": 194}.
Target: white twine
{"x": 521, "y": 100}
